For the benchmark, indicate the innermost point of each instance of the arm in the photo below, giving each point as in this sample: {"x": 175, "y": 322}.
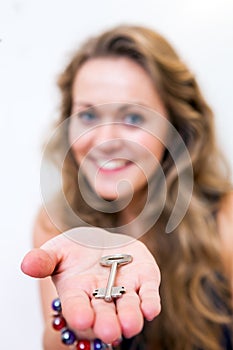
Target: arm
{"x": 76, "y": 272}
{"x": 225, "y": 224}
{"x": 43, "y": 231}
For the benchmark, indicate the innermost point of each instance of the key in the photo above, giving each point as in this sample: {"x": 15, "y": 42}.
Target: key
{"x": 110, "y": 291}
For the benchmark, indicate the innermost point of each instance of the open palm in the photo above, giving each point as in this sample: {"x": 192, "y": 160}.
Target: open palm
{"x": 76, "y": 271}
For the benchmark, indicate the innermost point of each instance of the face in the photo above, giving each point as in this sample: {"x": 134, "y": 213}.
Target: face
{"x": 114, "y": 133}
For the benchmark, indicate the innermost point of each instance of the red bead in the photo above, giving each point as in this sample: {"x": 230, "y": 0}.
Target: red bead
{"x": 84, "y": 345}
{"x": 58, "y": 323}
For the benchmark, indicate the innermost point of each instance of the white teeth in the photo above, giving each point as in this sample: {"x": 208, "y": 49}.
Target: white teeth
{"x": 112, "y": 164}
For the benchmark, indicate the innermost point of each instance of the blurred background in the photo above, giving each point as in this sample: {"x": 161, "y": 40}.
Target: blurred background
{"x": 36, "y": 40}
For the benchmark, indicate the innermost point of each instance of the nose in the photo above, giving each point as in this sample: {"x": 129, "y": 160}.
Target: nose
{"x": 108, "y": 137}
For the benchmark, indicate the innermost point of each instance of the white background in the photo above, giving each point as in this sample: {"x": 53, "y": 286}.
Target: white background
{"x": 36, "y": 40}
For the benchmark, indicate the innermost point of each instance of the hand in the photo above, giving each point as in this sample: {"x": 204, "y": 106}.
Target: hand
{"x": 76, "y": 272}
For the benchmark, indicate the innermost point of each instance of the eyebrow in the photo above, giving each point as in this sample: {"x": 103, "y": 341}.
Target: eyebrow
{"x": 124, "y": 105}
{"x": 82, "y": 104}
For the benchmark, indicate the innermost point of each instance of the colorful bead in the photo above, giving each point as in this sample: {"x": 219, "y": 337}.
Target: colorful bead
{"x": 68, "y": 337}
{"x": 58, "y": 323}
{"x": 84, "y": 345}
{"x": 56, "y": 305}
{"x": 98, "y": 345}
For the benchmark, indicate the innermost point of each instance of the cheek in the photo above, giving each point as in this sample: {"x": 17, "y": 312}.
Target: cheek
{"x": 149, "y": 145}
{"x": 151, "y": 155}
{"x": 80, "y": 148}
{"x": 80, "y": 143}
{"x": 156, "y": 148}
{"x": 77, "y": 152}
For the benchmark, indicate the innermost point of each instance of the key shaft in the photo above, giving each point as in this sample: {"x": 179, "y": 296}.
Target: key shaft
{"x": 111, "y": 280}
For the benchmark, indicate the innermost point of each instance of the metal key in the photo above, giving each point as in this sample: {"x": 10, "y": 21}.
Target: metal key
{"x": 110, "y": 291}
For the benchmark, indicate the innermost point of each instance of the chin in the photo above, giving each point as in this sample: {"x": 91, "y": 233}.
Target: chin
{"x": 108, "y": 196}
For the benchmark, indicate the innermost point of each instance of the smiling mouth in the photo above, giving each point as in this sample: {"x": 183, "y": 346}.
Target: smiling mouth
{"x": 113, "y": 164}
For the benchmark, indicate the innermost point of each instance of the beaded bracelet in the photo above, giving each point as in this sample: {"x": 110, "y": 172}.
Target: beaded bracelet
{"x": 68, "y": 337}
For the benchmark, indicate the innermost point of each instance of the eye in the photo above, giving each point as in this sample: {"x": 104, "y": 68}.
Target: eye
{"x": 133, "y": 119}
{"x": 87, "y": 117}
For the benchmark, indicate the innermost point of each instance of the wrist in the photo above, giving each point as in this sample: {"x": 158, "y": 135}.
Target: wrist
{"x": 69, "y": 338}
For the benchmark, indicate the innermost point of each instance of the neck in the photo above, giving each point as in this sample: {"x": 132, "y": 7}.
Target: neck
{"x": 128, "y": 217}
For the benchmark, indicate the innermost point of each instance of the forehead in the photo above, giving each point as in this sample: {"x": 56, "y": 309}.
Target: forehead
{"x": 114, "y": 79}
{"x": 110, "y": 70}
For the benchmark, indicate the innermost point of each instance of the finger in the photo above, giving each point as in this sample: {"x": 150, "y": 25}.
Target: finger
{"x": 130, "y": 314}
{"x": 77, "y": 310}
{"x": 39, "y": 263}
{"x": 106, "y": 325}
{"x": 150, "y": 299}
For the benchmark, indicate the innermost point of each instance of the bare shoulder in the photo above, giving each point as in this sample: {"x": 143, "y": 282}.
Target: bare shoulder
{"x": 225, "y": 224}
{"x": 225, "y": 216}
{"x": 44, "y": 229}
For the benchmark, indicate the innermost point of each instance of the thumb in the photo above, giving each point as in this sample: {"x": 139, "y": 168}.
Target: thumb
{"x": 39, "y": 263}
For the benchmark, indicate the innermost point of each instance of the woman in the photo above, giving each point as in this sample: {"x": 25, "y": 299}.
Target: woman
{"x": 135, "y": 110}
